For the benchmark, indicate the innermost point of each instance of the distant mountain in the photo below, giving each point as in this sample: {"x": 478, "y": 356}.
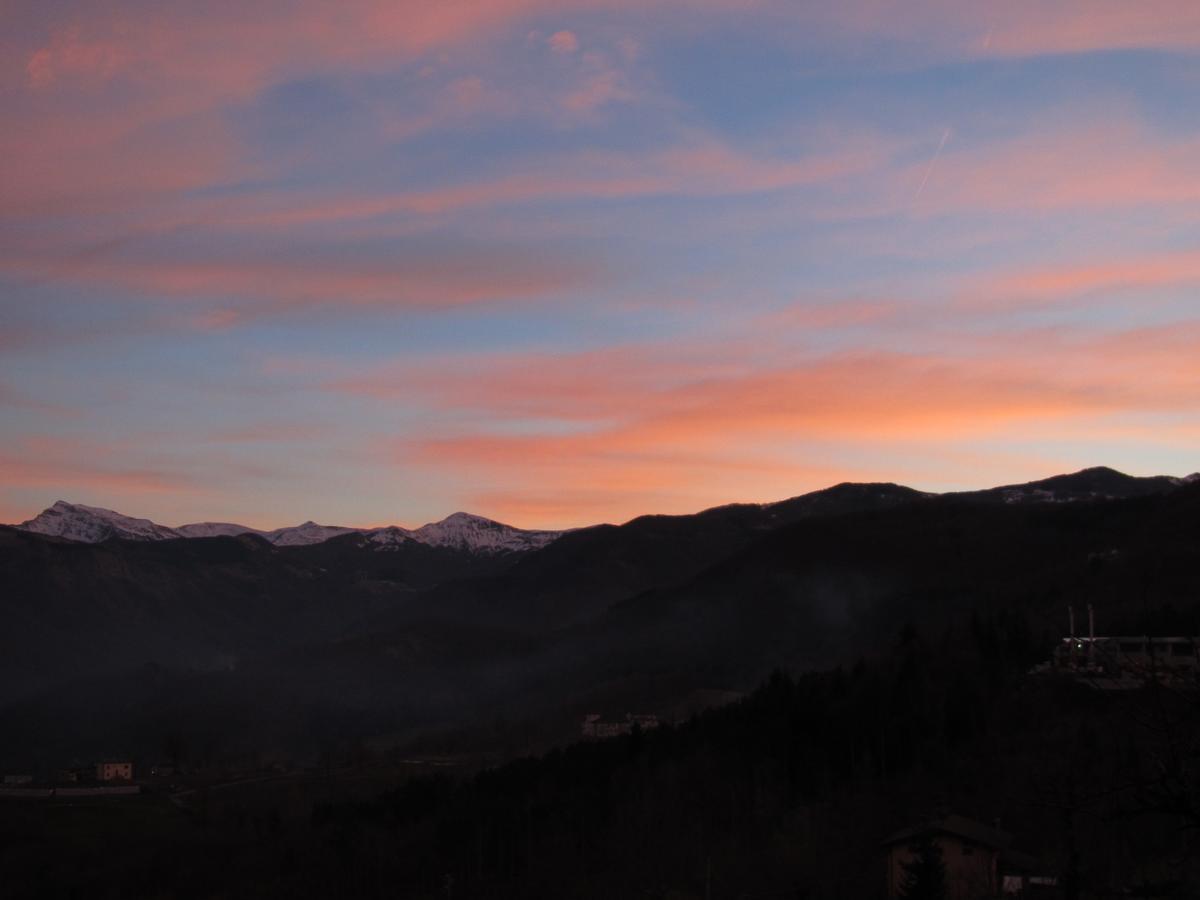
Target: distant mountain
{"x": 460, "y": 531}
{"x": 216, "y": 529}
{"x": 822, "y": 589}
{"x": 238, "y": 638}
{"x": 464, "y": 531}
{"x": 578, "y": 576}
{"x": 1097, "y": 483}
{"x": 92, "y": 524}
{"x": 307, "y": 533}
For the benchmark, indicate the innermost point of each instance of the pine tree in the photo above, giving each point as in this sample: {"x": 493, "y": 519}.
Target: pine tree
{"x": 925, "y": 873}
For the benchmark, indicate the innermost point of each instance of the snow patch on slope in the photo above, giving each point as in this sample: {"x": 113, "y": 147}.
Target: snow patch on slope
{"x": 307, "y": 533}
{"x": 391, "y": 537}
{"x": 467, "y": 532}
{"x": 461, "y": 531}
{"x": 92, "y": 524}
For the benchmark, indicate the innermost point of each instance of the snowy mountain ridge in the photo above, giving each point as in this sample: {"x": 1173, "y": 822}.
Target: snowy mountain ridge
{"x": 92, "y": 524}
{"x": 461, "y": 531}
{"x": 475, "y": 534}
{"x": 465, "y": 531}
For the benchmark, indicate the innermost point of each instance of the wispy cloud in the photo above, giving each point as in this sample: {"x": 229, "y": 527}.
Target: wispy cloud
{"x": 648, "y": 421}
{"x": 591, "y": 258}
{"x": 276, "y": 279}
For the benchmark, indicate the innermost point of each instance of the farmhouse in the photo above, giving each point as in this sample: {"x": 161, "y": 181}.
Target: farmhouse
{"x": 977, "y": 858}
{"x": 594, "y": 725}
{"x": 1124, "y": 662}
{"x": 114, "y": 770}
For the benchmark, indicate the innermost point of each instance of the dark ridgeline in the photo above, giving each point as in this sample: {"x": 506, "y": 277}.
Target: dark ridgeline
{"x": 922, "y": 616}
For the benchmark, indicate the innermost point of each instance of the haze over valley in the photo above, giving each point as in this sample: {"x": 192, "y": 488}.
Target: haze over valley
{"x": 264, "y": 642}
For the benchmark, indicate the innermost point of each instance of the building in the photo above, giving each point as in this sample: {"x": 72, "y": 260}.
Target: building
{"x": 1128, "y": 654}
{"x": 114, "y": 770}
{"x": 594, "y": 726}
{"x": 1124, "y": 662}
{"x": 17, "y": 780}
{"x": 978, "y": 859}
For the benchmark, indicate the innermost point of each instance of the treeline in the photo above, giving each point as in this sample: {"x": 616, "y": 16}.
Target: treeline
{"x": 788, "y": 793}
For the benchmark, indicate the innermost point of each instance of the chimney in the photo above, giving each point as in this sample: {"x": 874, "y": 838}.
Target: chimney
{"x": 1091, "y": 622}
{"x": 1070, "y": 621}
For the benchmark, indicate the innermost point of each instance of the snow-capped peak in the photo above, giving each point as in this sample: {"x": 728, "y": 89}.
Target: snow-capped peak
{"x": 469, "y": 532}
{"x": 307, "y": 533}
{"x": 92, "y": 524}
{"x": 463, "y": 531}
{"x": 460, "y": 531}
{"x": 389, "y": 537}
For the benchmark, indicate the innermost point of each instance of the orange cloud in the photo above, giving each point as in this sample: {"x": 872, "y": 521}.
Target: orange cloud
{"x": 660, "y": 428}
{"x": 1069, "y": 282}
{"x": 702, "y": 395}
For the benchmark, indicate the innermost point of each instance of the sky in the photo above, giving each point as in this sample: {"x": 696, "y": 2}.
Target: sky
{"x": 567, "y": 262}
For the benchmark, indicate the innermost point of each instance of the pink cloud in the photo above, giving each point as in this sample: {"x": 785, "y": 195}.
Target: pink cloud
{"x": 277, "y": 280}
{"x": 844, "y": 314}
{"x": 1028, "y": 27}
{"x": 268, "y": 433}
{"x": 125, "y": 100}
{"x": 68, "y": 464}
{"x": 600, "y": 89}
{"x": 101, "y": 160}
{"x": 1095, "y": 164}
{"x": 1016, "y": 28}
{"x": 563, "y": 42}
{"x": 702, "y": 167}
{"x": 229, "y": 50}
{"x": 1054, "y": 285}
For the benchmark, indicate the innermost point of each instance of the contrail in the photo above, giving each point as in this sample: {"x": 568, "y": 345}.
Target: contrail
{"x": 929, "y": 168}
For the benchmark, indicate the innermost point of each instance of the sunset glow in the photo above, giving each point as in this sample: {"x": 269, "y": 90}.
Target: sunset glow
{"x": 566, "y": 262}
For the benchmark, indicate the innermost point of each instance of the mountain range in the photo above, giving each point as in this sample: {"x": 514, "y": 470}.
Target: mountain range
{"x": 92, "y": 524}
{"x": 243, "y": 643}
